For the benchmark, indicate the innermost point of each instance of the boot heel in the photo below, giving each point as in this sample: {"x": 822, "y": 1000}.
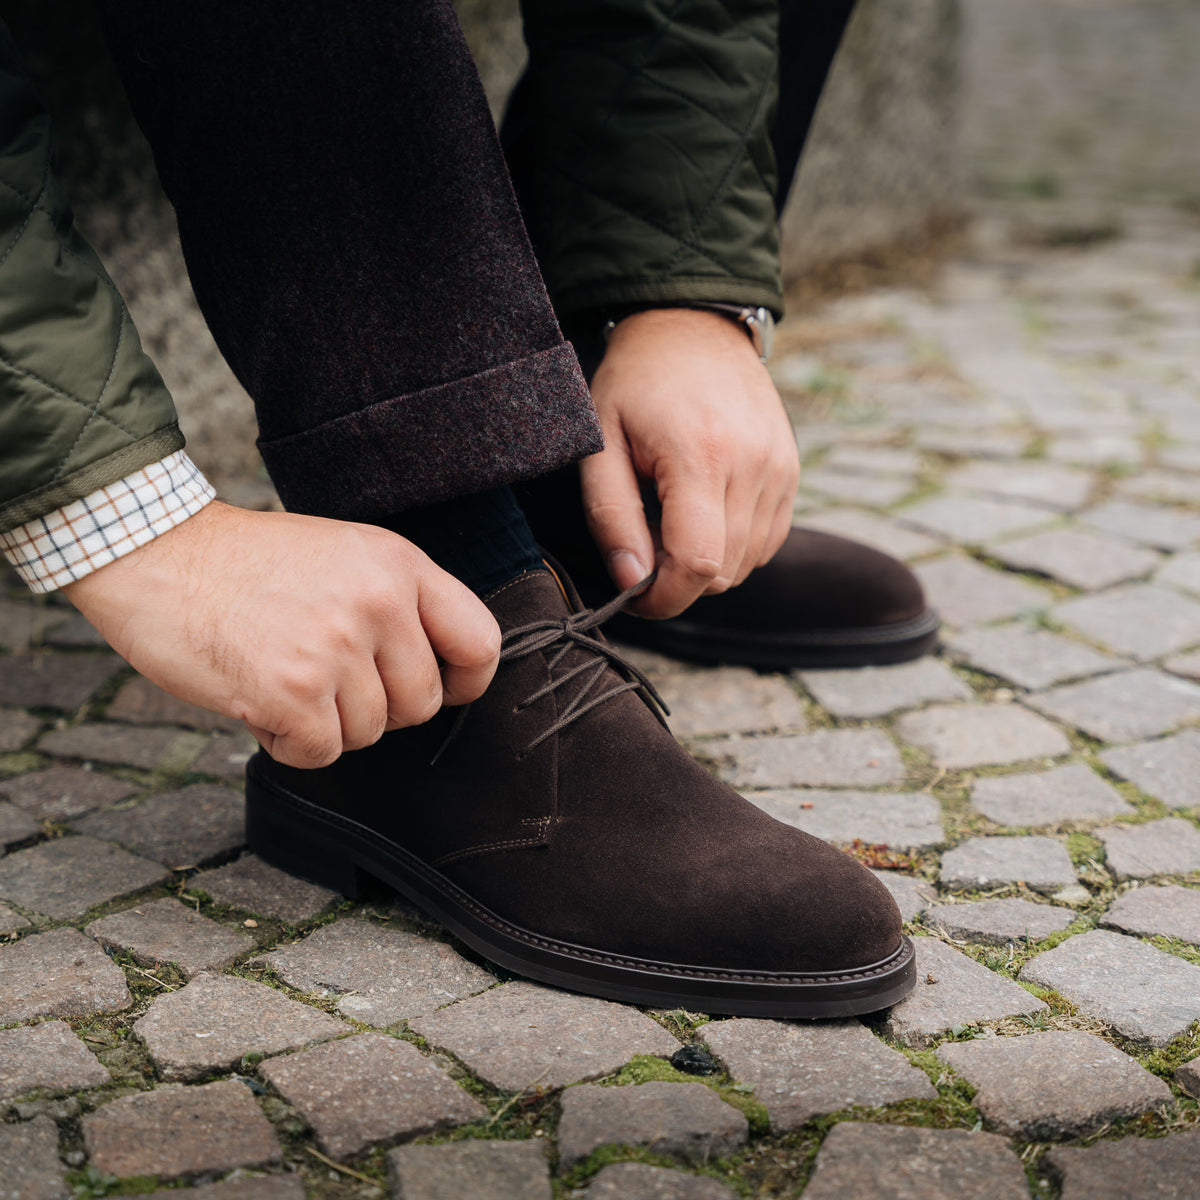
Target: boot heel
{"x": 293, "y": 841}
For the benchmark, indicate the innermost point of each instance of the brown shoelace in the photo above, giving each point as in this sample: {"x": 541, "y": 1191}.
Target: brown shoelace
{"x": 566, "y": 633}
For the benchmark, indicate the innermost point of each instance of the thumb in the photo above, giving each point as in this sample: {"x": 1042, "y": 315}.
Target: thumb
{"x": 613, "y": 503}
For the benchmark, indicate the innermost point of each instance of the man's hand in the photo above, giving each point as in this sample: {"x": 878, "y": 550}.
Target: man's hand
{"x": 687, "y": 407}
{"x": 319, "y": 634}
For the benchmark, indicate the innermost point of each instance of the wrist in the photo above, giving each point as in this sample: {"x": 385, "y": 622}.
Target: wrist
{"x": 755, "y": 322}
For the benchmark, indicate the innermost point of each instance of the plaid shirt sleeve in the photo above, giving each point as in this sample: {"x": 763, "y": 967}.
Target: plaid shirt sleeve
{"x": 85, "y": 535}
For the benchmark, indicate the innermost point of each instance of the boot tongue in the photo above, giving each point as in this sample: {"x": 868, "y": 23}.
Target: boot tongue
{"x": 534, "y": 596}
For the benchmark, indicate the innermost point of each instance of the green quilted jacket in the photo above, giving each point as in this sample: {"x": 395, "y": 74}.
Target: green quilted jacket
{"x": 650, "y": 179}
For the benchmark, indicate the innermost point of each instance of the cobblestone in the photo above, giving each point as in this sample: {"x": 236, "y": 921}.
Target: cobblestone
{"x": 976, "y": 735}
{"x": 912, "y": 896}
{"x": 953, "y": 989}
{"x": 65, "y": 877}
{"x": 366, "y": 1088}
{"x": 879, "y": 491}
{"x": 1188, "y": 1077}
{"x": 1096, "y": 449}
{"x": 909, "y": 820}
{"x": 1030, "y": 658}
{"x": 551, "y": 1038}
{"x": 46, "y": 1057}
{"x": 32, "y": 1168}
{"x": 1169, "y": 911}
{"x": 142, "y": 703}
{"x": 16, "y": 825}
{"x": 637, "y": 1181}
{"x": 16, "y": 728}
{"x": 729, "y": 700}
{"x": 1041, "y": 863}
{"x": 379, "y": 975}
{"x": 1187, "y": 665}
{"x": 165, "y": 931}
{"x": 1183, "y": 571}
{"x": 497, "y": 1170}
{"x": 257, "y": 887}
{"x": 967, "y": 593}
{"x": 226, "y": 756}
{"x": 1146, "y": 524}
{"x": 872, "y": 530}
{"x": 972, "y": 521}
{"x": 998, "y": 922}
{"x": 1056, "y": 1084}
{"x": 801, "y": 1071}
{"x": 826, "y": 758}
{"x": 60, "y": 793}
{"x": 11, "y": 920}
{"x": 63, "y": 681}
{"x": 896, "y": 1162}
{"x": 216, "y": 1019}
{"x": 1076, "y": 557}
{"x": 1169, "y": 770}
{"x": 688, "y": 1120}
{"x": 1069, "y": 793}
{"x": 1123, "y": 1170}
{"x": 1142, "y": 620}
{"x": 149, "y": 747}
{"x": 246, "y": 1187}
{"x": 175, "y": 1131}
{"x": 877, "y": 691}
{"x": 1146, "y": 994}
{"x": 25, "y": 624}
{"x": 1050, "y": 484}
{"x": 1124, "y": 706}
{"x": 178, "y": 829}
{"x": 1167, "y": 847}
{"x": 58, "y": 974}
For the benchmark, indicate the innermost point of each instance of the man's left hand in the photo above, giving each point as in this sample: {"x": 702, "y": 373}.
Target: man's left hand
{"x": 687, "y": 408}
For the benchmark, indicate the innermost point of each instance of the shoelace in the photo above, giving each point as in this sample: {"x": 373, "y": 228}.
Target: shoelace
{"x": 568, "y": 632}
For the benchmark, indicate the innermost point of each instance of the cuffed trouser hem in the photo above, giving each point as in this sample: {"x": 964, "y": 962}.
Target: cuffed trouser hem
{"x": 509, "y": 423}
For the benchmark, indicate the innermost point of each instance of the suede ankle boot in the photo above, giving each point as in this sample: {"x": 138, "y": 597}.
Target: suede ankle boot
{"x": 558, "y": 829}
{"x": 822, "y": 601}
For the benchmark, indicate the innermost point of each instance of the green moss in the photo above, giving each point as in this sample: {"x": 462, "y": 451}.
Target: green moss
{"x": 1180, "y": 949}
{"x": 578, "y": 1175}
{"x": 644, "y": 1068}
{"x": 1084, "y": 848}
{"x": 91, "y": 1184}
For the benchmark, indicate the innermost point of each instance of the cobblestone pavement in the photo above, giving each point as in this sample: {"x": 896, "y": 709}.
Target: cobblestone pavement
{"x": 1027, "y": 433}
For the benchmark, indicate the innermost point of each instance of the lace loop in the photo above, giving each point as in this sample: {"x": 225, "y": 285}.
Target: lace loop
{"x": 567, "y": 633}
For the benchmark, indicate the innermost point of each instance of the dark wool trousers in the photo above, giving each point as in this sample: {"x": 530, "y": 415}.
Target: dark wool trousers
{"x": 354, "y": 243}
{"x": 355, "y": 246}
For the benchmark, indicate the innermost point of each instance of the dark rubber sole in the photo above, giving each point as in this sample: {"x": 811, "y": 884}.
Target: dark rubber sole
{"x": 327, "y": 848}
{"x": 714, "y": 645}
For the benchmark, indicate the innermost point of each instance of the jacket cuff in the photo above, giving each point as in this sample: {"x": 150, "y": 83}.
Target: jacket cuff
{"x": 71, "y": 542}
{"x": 573, "y": 303}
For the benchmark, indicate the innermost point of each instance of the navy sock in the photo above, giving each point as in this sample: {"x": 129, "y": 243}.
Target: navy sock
{"x": 482, "y": 540}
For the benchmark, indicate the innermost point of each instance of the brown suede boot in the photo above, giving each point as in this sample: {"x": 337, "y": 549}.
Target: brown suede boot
{"x": 822, "y": 601}
{"x": 558, "y": 829}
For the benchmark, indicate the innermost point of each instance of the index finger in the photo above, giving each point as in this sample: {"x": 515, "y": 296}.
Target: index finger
{"x": 693, "y": 540}
{"x": 463, "y": 634}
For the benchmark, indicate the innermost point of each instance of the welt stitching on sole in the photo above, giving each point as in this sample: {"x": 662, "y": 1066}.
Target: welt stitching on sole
{"x": 879, "y": 970}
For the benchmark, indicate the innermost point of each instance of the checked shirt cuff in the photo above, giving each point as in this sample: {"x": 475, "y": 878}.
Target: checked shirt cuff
{"x": 85, "y": 535}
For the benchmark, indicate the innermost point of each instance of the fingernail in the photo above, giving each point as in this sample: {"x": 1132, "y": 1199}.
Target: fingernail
{"x": 626, "y": 568}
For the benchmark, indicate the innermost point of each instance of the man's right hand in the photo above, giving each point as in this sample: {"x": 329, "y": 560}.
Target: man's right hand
{"x": 320, "y": 635}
